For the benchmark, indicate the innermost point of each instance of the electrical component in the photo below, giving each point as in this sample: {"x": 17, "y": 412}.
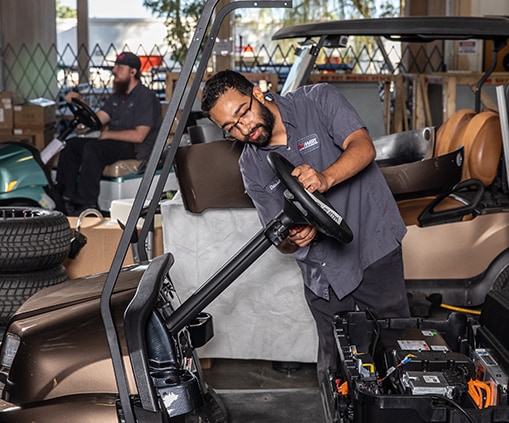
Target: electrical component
{"x": 424, "y": 383}
{"x": 482, "y": 393}
{"x": 488, "y": 369}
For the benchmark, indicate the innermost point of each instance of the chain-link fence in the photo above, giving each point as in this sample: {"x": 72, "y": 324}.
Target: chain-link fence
{"x": 51, "y": 72}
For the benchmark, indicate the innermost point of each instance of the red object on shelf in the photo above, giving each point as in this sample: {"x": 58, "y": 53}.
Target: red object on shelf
{"x": 148, "y": 62}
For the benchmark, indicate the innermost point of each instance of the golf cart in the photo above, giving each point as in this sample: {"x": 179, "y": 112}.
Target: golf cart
{"x": 24, "y": 178}
{"x": 451, "y": 187}
{"x": 450, "y": 181}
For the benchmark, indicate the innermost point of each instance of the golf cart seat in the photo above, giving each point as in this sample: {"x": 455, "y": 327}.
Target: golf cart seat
{"x": 208, "y": 176}
{"x": 123, "y": 167}
{"x": 481, "y": 140}
{"x": 424, "y": 162}
{"x": 451, "y": 132}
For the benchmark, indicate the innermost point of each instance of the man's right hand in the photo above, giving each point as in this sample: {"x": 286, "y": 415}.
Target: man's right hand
{"x": 70, "y": 95}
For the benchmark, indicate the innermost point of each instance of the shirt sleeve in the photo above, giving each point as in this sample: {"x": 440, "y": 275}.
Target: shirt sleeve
{"x": 336, "y": 113}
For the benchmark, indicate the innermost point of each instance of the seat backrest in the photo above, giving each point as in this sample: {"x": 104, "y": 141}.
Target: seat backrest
{"x": 209, "y": 176}
{"x": 450, "y": 134}
{"x": 481, "y": 138}
{"x": 483, "y": 147}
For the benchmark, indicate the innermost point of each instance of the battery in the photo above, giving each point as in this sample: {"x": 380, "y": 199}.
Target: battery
{"x": 427, "y": 383}
{"x": 427, "y": 348}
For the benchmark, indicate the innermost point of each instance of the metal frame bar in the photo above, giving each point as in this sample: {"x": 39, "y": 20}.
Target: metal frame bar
{"x": 157, "y": 152}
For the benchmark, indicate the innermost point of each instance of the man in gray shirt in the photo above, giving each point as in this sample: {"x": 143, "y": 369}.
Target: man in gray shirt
{"x": 133, "y": 115}
{"x": 317, "y": 130}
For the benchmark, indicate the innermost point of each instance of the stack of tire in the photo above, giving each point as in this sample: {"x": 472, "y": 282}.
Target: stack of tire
{"x": 34, "y": 242}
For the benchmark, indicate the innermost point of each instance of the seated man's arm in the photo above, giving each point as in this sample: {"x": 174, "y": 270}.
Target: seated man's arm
{"x": 136, "y": 135}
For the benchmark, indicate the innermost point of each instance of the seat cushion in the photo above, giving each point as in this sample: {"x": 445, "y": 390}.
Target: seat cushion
{"x": 122, "y": 168}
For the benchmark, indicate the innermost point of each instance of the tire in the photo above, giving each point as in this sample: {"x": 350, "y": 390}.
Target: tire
{"x": 502, "y": 281}
{"x": 32, "y": 239}
{"x": 16, "y": 288}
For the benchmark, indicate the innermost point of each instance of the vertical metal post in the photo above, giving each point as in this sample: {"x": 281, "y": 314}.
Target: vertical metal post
{"x": 82, "y": 41}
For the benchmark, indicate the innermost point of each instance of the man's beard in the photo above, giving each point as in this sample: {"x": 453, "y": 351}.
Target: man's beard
{"x": 121, "y": 87}
{"x": 267, "y": 127}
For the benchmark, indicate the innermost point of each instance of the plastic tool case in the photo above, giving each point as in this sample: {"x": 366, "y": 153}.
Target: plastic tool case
{"x": 423, "y": 370}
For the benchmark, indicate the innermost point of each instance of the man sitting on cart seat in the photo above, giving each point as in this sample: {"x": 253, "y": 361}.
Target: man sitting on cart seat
{"x": 133, "y": 116}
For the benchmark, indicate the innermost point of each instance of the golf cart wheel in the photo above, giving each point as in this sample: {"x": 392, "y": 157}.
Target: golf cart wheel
{"x": 502, "y": 281}
{"x": 32, "y": 239}
{"x": 16, "y": 288}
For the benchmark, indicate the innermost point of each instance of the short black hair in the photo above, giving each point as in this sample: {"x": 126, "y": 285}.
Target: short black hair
{"x": 217, "y": 85}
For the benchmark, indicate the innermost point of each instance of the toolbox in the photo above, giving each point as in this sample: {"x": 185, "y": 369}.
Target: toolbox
{"x": 454, "y": 369}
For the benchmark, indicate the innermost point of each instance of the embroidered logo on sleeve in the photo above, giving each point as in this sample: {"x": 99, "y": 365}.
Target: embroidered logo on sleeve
{"x": 274, "y": 184}
{"x": 308, "y": 144}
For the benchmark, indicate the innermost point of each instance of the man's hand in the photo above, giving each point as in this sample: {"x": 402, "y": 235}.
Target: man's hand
{"x": 311, "y": 179}
{"x": 358, "y": 152}
{"x": 298, "y": 236}
{"x": 70, "y": 95}
{"x": 301, "y": 235}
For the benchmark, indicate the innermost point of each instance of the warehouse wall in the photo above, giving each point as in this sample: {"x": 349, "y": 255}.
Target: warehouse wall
{"x": 24, "y": 25}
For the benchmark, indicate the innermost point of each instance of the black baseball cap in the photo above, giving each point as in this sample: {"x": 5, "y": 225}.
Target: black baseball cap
{"x": 129, "y": 59}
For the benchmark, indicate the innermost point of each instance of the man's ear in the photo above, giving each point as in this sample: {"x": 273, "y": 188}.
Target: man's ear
{"x": 258, "y": 94}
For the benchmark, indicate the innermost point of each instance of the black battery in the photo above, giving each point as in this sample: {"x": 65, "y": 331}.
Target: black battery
{"x": 426, "y": 350}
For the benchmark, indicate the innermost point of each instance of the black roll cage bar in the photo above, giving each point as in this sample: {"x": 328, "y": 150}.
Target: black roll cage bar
{"x": 200, "y": 37}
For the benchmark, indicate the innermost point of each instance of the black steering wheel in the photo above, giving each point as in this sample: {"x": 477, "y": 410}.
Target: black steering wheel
{"x": 315, "y": 208}
{"x": 84, "y": 114}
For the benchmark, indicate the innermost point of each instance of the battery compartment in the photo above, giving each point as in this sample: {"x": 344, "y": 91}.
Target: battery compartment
{"x": 417, "y": 370}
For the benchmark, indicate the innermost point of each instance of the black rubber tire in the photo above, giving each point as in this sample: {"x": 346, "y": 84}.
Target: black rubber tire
{"x": 16, "y": 288}
{"x": 502, "y": 281}
{"x": 32, "y": 239}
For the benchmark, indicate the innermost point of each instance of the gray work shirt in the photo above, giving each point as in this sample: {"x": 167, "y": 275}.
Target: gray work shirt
{"x": 318, "y": 119}
{"x": 140, "y": 107}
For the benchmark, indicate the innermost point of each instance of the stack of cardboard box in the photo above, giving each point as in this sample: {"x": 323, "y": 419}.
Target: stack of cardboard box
{"x": 37, "y": 119}
{"x": 8, "y": 100}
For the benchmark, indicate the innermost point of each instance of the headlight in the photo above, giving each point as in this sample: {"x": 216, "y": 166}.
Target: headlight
{"x": 9, "y": 349}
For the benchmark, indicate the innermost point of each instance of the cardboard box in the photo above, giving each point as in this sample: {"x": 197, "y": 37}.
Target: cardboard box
{"x": 6, "y": 110}
{"x": 8, "y": 136}
{"x": 103, "y": 236}
{"x": 41, "y": 137}
{"x": 36, "y": 116}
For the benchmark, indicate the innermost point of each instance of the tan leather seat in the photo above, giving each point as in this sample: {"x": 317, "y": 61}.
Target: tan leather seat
{"x": 481, "y": 137}
{"x": 122, "y": 168}
{"x": 450, "y": 134}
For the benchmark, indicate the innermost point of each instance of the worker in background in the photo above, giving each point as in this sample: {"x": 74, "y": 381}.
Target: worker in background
{"x": 131, "y": 118}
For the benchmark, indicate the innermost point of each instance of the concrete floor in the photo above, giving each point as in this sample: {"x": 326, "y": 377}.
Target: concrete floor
{"x": 254, "y": 391}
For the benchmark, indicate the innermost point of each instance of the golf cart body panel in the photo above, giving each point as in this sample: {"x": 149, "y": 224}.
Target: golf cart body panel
{"x": 85, "y": 408}
{"x": 22, "y": 179}
{"x": 66, "y": 318}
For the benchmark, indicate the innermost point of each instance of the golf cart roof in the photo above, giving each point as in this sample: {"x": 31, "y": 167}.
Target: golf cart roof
{"x": 416, "y": 28}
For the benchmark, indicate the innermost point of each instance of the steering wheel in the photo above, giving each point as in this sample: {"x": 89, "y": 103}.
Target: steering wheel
{"x": 316, "y": 209}
{"x": 84, "y": 114}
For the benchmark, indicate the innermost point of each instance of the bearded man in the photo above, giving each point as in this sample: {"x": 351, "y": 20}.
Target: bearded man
{"x": 131, "y": 118}
{"x": 318, "y": 130}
